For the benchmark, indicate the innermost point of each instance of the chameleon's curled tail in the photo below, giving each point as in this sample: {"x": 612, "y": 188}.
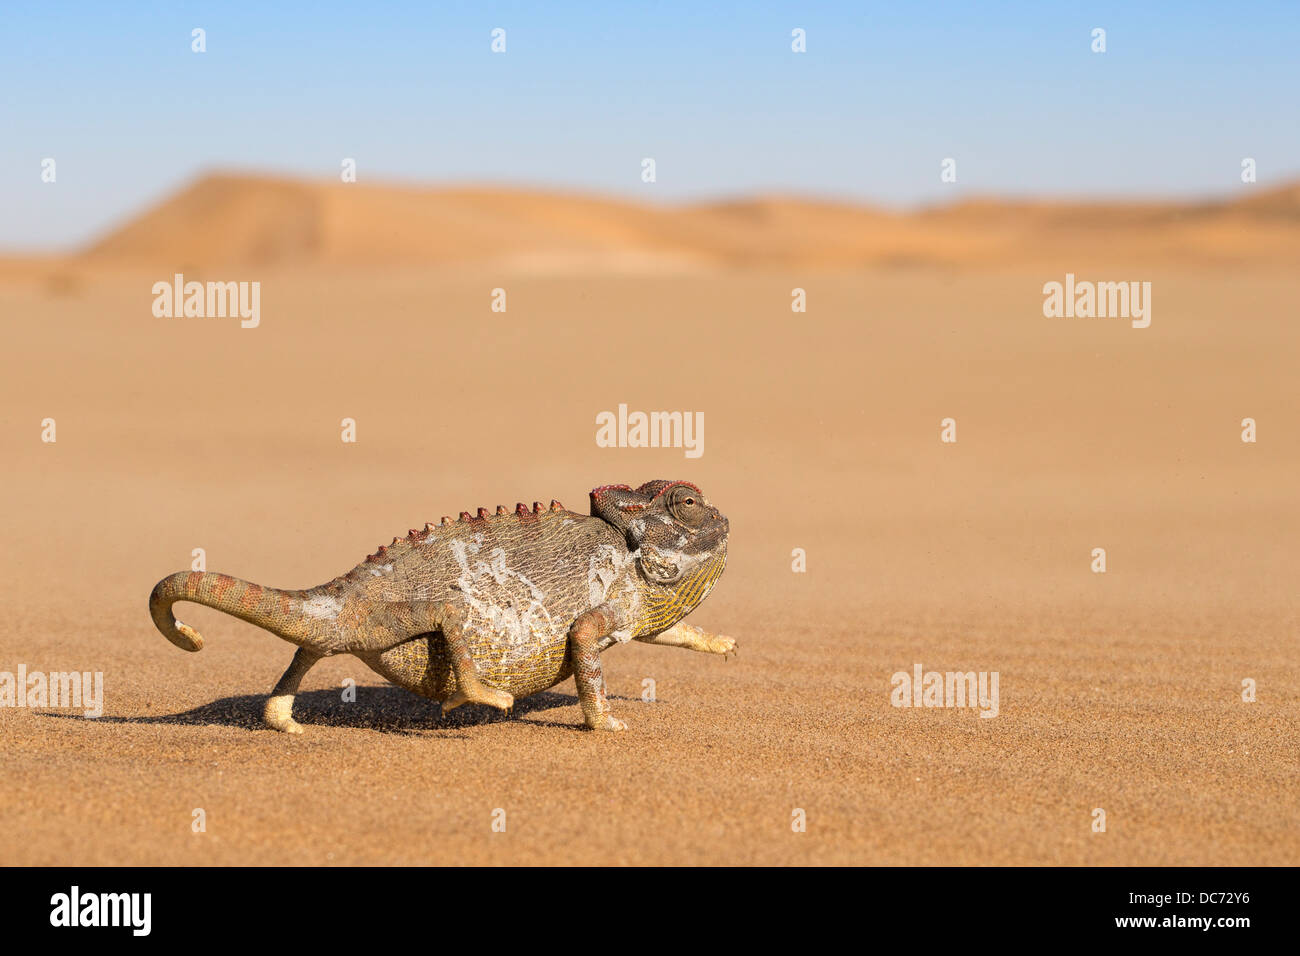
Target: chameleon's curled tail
{"x": 280, "y": 612}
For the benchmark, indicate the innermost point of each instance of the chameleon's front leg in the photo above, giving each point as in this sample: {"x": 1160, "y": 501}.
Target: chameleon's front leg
{"x": 694, "y": 638}
{"x": 584, "y": 654}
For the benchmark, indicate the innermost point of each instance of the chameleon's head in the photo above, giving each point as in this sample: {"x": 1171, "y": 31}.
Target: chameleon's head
{"x": 670, "y": 523}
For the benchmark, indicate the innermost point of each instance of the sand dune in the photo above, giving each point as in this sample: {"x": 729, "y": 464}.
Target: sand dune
{"x": 1121, "y": 691}
{"x": 255, "y": 221}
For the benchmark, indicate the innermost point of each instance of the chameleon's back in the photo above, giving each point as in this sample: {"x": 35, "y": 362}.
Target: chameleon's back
{"x": 523, "y": 578}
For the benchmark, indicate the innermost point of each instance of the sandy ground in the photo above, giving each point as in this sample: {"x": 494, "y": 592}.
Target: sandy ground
{"x": 1120, "y": 691}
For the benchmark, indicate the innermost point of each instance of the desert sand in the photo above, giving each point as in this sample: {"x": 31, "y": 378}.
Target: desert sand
{"x": 1119, "y": 691}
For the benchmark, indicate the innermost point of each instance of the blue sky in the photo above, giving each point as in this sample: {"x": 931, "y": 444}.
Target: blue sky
{"x": 713, "y": 92}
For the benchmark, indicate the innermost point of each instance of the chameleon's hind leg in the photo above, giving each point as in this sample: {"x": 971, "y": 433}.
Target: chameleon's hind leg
{"x": 446, "y": 617}
{"x": 278, "y": 714}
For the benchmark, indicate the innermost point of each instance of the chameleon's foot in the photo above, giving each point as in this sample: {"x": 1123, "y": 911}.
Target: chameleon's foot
{"x": 695, "y": 639}
{"x": 726, "y": 646}
{"x": 607, "y": 722}
{"x": 278, "y": 714}
{"x": 480, "y": 694}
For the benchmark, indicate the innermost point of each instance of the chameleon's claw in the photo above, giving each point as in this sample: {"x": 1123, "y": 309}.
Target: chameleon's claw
{"x": 289, "y": 726}
{"x": 726, "y": 646}
{"x": 609, "y": 723}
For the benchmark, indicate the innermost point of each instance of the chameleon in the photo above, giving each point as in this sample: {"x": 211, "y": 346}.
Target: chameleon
{"x": 492, "y": 608}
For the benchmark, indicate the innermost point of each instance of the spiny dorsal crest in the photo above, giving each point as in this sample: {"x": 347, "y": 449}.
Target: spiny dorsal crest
{"x": 419, "y": 534}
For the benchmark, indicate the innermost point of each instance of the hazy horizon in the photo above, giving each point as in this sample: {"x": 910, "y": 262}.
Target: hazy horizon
{"x": 415, "y": 95}
{"x": 130, "y": 216}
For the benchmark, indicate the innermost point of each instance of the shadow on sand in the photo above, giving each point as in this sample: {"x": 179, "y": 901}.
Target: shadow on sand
{"x": 387, "y": 709}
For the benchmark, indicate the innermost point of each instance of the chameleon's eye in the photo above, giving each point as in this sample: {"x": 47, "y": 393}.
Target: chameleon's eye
{"x": 684, "y": 505}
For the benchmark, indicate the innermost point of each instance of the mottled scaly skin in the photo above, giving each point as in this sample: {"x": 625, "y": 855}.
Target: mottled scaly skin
{"x": 491, "y": 608}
